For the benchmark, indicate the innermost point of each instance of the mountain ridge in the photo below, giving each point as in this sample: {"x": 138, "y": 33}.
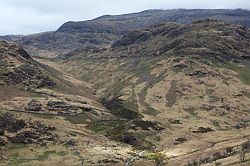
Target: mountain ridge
{"x": 103, "y": 31}
{"x": 169, "y": 93}
{"x": 205, "y": 37}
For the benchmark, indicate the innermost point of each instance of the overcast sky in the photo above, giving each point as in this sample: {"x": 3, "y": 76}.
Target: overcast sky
{"x": 32, "y": 16}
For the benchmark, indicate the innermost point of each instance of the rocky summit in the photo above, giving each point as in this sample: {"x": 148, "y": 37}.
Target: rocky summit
{"x": 151, "y": 88}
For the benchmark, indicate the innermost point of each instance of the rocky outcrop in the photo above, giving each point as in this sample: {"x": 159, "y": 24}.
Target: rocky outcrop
{"x": 34, "y": 106}
{"x": 27, "y": 78}
{"x": 10, "y": 124}
{"x": 13, "y": 49}
{"x": 198, "y": 74}
{"x": 203, "y": 130}
{"x": 132, "y": 38}
{"x": 24, "y": 131}
{"x": 17, "y": 68}
{"x": 62, "y": 107}
{"x": 56, "y": 107}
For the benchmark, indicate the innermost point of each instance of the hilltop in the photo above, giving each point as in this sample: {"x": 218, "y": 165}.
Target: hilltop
{"x": 103, "y": 31}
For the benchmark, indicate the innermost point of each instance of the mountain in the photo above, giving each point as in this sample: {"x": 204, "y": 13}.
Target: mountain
{"x": 156, "y": 93}
{"x": 204, "y": 39}
{"x": 103, "y": 31}
{"x": 192, "y": 80}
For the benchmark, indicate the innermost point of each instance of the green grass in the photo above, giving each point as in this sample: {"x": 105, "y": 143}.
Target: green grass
{"x": 102, "y": 127}
{"x": 214, "y": 99}
{"x": 171, "y": 96}
{"x": 16, "y": 159}
{"x": 144, "y": 73}
{"x": 77, "y": 119}
{"x": 132, "y": 101}
{"x": 191, "y": 111}
{"x": 207, "y": 107}
{"x": 17, "y": 146}
{"x": 216, "y": 124}
{"x": 244, "y": 72}
{"x": 105, "y": 126}
{"x": 116, "y": 88}
{"x": 130, "y": 105}
{"x": 62, "y": 153}
{"x": 44, "y": 116}
{"x": 151, "y": 111}
{"x": 209, "y": 92}
{"x": 45, "y": 155}
{"x": 99, "y": 128}
{"x": 86, "y": 77}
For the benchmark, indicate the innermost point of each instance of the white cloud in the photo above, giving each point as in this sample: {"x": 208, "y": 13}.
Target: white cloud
{"x": 30, "y": 16}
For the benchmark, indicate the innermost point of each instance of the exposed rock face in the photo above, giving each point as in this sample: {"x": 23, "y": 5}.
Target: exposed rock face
{"x": 34, "y": 106}
{"x": 60, "y": 106}
{"x": 17, "y": 68}
{"x": 203, "y": 130}
{"x": 180, "y": 141}
{"x": 25, "y": 132}
{"x": 27, "y": 77}
{"x": 55, "y": 107}
{"x": 175, "y": 121}
{"x": 71, "y": 143}
{"x": 10, "y": 124}
{"x": 198, "y": 74}
{"x": 13, "y": 49}
{"x": 131, "y": 38}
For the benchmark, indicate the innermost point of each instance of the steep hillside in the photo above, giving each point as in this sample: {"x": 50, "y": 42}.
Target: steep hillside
{"x": 104, "y": 30}
{"x": 17, "y": 68}
{"x": 191, "y": 80}
{"x": 170, "y": 93}
{"x": 47, "y": 116}
{"x": 208, "y": 38}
